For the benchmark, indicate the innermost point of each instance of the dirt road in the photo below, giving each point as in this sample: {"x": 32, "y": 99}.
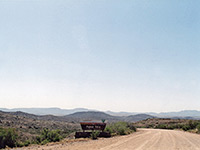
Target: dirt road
{"x": 144, "y": 139}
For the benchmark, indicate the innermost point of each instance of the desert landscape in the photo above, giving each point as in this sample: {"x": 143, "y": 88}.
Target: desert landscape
{"x": 143, "y": 139}
{"x": 100, "y": 74}
{"x": 139, "y": 131}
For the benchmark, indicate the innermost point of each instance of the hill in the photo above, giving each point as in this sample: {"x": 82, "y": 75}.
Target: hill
{"x": 46, "y": 111}
{"x": 29, "y": 126}
{"x": 195, "y": 114}
{"x": 184, "y": 113}
{"x": 121, "y": 113}
{"x": 79, "y": 116}
{"x": 138, "y": 117}
{"x": 92, "y": 115}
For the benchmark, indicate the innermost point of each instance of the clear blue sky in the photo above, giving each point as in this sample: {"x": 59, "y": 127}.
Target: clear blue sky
{"x": 134, "y": 55}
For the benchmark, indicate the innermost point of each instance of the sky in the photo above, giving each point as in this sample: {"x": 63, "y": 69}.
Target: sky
{"x": 133, "y": 55}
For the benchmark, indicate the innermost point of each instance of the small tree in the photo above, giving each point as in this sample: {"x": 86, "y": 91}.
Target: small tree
{"x": 94, "y": 135}
{"x": 103, "y": 120}
{"x": 8, "y": 137}
{"x": 49, "y": 136}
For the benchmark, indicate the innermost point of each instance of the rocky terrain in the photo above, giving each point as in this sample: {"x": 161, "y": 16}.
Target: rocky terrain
{"x": 28, "y": 126}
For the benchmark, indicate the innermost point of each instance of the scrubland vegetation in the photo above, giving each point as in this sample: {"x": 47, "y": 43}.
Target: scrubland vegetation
{"x": 116, "y": 128}
{"x": 94, "y": 135}
{"x": 181, "y": 124}
{"x": 21, "y": 129}
{"x": 10, "y": 138}
{"x": 120, "y": 128}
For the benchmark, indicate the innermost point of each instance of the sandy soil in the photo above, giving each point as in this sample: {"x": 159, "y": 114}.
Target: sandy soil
{"x": 144, "y": 139}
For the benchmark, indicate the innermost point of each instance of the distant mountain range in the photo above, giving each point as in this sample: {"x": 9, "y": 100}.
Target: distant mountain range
{"x": 63, "y": 112}
{"x": 81, "y": 116}
{"x": 184, "y": 113}
{"x": 46, "y": 111}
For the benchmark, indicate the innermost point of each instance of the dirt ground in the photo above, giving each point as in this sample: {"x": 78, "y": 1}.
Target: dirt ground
{"x": 144, "y": 139}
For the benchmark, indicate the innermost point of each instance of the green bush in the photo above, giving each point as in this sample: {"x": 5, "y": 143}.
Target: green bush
{"x": 54, "y": 136}
{"x": 192, "y": 124}
{"x": 131, "y": 126}
{"x": 27, "y": 143}
{"x": 198, "y": 128}
{"x": 120, "y": 128}
{"x": 94, "y": 135}
{"x": 48, "y": 136}
{"x": 108, "y": 129}
{"x": 7, "y": 137}
{"x": 186, "y": 127}
{"x": 21, "y": 144}
{"x": 161, "y": 126}
{"x": 44, "y": 142}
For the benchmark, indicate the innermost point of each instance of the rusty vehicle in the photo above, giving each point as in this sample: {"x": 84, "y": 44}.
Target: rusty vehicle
{"x": 90, "y": 126}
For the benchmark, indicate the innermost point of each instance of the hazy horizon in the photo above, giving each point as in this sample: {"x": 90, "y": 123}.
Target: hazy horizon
{"x": 133, "y": 56}
{"x": 91, "y": 109}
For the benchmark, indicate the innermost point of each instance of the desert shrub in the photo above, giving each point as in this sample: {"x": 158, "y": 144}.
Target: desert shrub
{"x": 45, "y": 142}
{"x": 149, "y": 126}
{"x": 131, "y": 126}
{"x": 121, "y": 131}
{"x": 108, "y": 129}
{"x": 8, "y": 137}
{"x": 170, "y": 127}
{"x": 192, "y": 124}
{"x": 186, "y": 127}
{"x": 178, "y": 126}
{"x": 173, "y": 126}
{"x": 120, "y": 128}
{"x": 48, "y": 136}
{"x": 161, "y": 126}
{"x": 27, "y": 143}
{"x": 21, "y": 144}
{"x": 38, "y": 140}
{"x": 54, "y": 136}
{"x": 94, "y": 135}
{"x": 198, "y": 128}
